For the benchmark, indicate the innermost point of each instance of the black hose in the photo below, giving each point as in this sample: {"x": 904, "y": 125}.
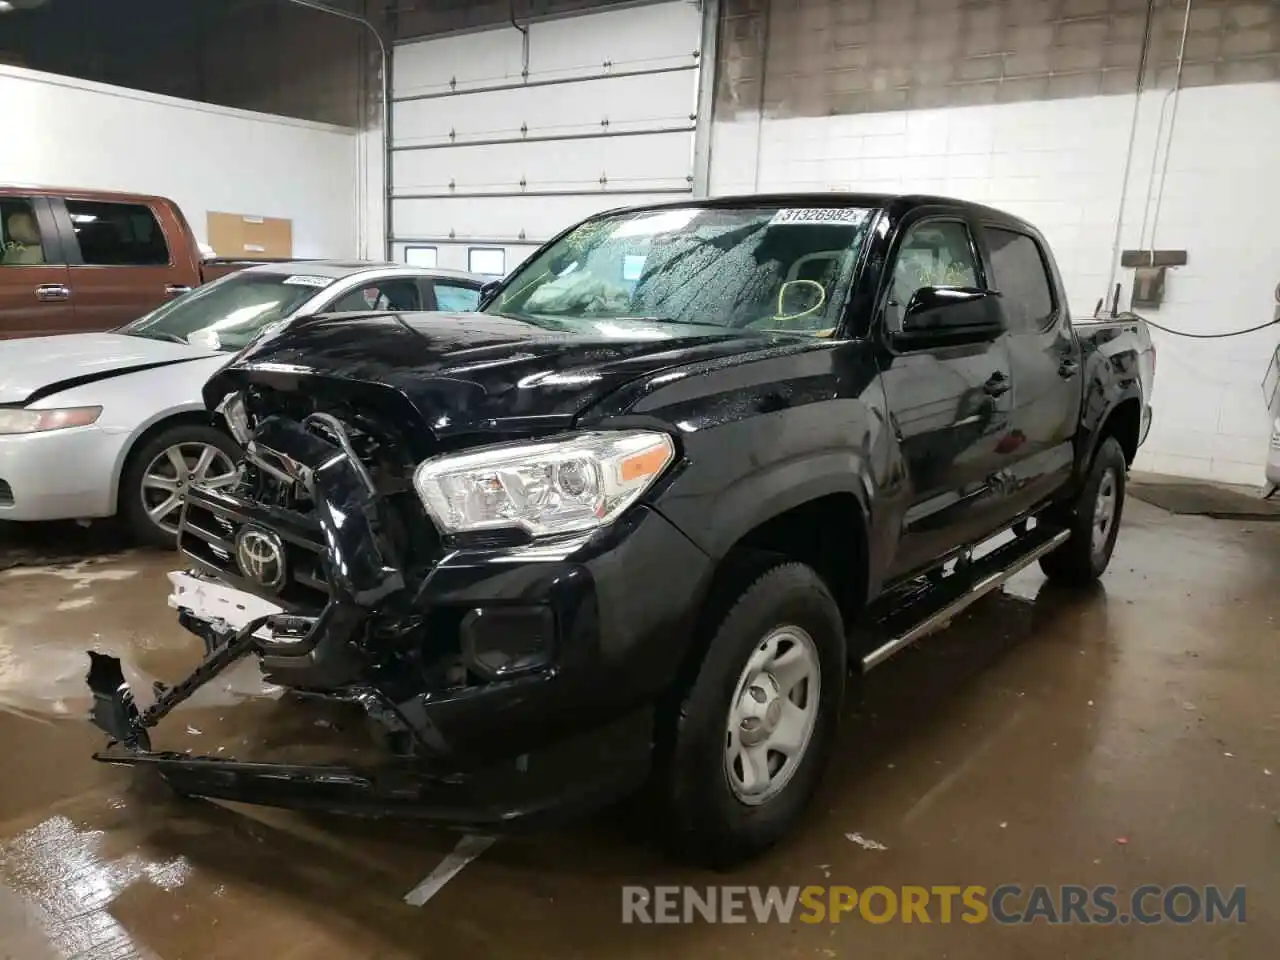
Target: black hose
{"x": 1213, "y": 336}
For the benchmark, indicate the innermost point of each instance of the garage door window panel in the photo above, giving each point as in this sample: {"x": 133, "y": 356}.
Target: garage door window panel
{"x": 421, "y": 256}
{"x": 487, "y": 261}
{"x": 117, "y": 234}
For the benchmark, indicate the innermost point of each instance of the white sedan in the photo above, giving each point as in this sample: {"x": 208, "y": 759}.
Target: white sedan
{"x": 99, "y": 424}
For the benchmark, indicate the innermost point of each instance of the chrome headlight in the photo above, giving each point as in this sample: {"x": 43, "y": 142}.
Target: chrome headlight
{"x": 39, "y": 421}
{"x": 566, "y": 485}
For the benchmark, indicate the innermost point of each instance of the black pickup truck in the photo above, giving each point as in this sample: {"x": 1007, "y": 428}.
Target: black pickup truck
{"x": 637, "y": 521}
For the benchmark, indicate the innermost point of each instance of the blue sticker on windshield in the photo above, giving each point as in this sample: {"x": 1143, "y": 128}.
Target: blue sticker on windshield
{"x": 844, "y": 216}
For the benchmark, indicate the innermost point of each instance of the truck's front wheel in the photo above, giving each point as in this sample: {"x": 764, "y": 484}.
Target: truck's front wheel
{"x": 1094, "y": 522}
{"x": 755, "y": 729}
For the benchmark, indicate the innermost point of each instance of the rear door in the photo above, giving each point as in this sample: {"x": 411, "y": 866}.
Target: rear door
{"x": 1044, "y": 357}
{"x": 122, "y": 265}
{"x": 949, "y": 406}
{"x": 35, "y": 296}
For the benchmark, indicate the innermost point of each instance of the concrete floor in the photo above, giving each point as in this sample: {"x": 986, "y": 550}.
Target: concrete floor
{"x": 1127, "y": 736}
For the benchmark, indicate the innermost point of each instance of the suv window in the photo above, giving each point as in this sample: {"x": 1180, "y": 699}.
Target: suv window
{"x": 20, "y": 243}
{"x": 118, "y": 234}
{"x": 453, "y": 298}
{"x": 934, "y": 253}
{"x": 394, "y": 294}
{"x": 1018, "y": 272}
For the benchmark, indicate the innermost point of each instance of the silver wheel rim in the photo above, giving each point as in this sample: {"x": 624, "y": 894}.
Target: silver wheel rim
{"x": 1104, "y": 512}
{"x": 173, "y": 471}
{"x": 772, "y": 715}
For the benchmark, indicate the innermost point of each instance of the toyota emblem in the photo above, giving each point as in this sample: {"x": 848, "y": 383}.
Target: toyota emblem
{"x": 260, "y": 556}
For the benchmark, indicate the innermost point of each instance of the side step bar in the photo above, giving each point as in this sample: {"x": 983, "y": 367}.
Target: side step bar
{"x": 958, "y": 591}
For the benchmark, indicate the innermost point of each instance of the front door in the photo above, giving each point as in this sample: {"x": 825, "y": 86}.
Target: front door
{"x": 1045, "y": 359}
{"x": 949, "y": 406}
{"x": 35, "y": 294}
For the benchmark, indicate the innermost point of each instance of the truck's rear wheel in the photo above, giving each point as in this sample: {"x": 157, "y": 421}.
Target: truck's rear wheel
{"x": 1094, "y": 522}
{"x": 757, "y": 726}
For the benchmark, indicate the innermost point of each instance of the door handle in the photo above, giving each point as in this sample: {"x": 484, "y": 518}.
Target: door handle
{"x": 1068, "y": 367}
{"x": 176, "y": 289}
{"x": 997, "y": 384}
{"x": 52, "y": 292}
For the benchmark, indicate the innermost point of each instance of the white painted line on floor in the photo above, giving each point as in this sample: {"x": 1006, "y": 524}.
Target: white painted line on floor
{"x": 468, "y": 848}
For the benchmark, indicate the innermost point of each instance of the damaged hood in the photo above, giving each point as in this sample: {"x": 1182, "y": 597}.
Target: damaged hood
{"x": 472, "y": 373}
{"x": 40, "y": 366}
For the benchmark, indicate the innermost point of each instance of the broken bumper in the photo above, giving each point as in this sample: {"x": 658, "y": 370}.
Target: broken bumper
{"x": 549, "y": 742}
{"x": 546, "y": 789}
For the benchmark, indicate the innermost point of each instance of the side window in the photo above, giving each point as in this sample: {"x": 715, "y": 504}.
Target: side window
{"x": 396, "y": 295}
{"x": 1019, "y": 273}
{"x": 934, "y": 253}
{"x": 452, "y": 298}
{"x": 20, "y": 243}
{"x": 118, "y": 234}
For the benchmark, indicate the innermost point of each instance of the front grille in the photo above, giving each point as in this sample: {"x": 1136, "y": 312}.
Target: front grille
{"x": 212, "y": 521}
{"x": 6, "y": 494}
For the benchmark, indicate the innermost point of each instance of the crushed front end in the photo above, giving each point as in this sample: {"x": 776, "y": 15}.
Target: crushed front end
{"x": 507, "y": 676}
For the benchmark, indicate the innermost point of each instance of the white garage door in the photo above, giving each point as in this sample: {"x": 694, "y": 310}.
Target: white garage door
{"x": 488, "y": 162}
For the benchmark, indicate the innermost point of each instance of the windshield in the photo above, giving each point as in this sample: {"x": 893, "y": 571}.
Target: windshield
{"x": 229, "y": 312}
{"x": 762, "y": 268}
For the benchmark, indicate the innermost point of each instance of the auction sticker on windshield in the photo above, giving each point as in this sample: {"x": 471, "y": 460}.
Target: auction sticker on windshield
{"x": 308, "y": 281}
{"x": 842, "y": 215}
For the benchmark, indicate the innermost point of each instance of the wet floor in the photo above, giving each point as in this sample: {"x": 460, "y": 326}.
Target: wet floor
{"x": 1126, "y": 736}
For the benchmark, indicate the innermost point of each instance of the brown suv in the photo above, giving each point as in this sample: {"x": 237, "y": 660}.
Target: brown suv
{"x": 76, "y": 260}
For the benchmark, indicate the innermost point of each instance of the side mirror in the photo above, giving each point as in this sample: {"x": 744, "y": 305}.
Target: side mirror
{"x": 487, "y": 290}
{"x": 951, "y": 315}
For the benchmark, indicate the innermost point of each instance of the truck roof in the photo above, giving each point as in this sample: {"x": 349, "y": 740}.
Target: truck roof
{"x": 897, "y": 202}
{"x": 85, "y": 192}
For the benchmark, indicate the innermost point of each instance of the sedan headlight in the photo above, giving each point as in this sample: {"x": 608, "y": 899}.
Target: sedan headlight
{"x": 39, "y": 421}
{"x": 566, "y": 485}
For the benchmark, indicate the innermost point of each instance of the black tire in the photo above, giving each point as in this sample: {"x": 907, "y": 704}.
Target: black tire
{"x": 708, "y": 824}
{"x": 131, "y": 506}
{"x": 1083, "y": 558}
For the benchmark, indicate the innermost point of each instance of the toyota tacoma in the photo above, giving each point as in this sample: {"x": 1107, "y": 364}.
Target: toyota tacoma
{"x": 640, "y": 518}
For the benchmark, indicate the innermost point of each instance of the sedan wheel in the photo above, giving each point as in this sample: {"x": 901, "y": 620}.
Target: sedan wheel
{"x": 177, "y": 468}
{"x": 161, "y": 470}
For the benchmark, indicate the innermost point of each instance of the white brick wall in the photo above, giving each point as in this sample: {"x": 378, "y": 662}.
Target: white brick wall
{"x": 1059, "y": 164}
